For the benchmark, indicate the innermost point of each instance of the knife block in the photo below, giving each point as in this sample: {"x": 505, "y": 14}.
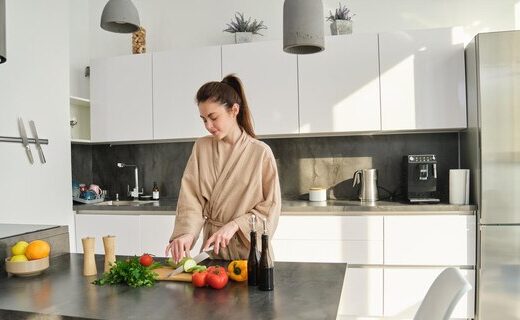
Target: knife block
{"x": 109, "y": 243}
{"x": 89, "y": 261}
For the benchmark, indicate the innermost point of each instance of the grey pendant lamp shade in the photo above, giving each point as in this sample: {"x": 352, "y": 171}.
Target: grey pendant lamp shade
{"x": 3, "y": 17}
{"x": 120, "y": 16}
{"x": 303, "y": 22}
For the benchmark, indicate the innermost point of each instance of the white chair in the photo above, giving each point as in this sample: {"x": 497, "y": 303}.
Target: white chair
{"x": 443, "y": 295}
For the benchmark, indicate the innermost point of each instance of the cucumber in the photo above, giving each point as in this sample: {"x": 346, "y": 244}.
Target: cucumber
{"x": 197, "y": 268}
{"x": 188, "y": 264}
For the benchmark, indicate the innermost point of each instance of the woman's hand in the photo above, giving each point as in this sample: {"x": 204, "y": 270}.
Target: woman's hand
{"x": 179, "y": 247}
{"x": 221, "y": 238}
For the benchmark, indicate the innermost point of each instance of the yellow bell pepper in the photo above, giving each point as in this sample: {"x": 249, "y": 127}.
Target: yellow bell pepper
{"x": 237, "y": 270}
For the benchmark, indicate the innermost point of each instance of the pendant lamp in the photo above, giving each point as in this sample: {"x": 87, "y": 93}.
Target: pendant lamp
{"x": 3, "y": 17}
{"x": 303, "y": 26}
{"x": 120, "y": 16}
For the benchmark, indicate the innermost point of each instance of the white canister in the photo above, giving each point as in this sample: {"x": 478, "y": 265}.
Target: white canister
{"x": 317, "y": 194}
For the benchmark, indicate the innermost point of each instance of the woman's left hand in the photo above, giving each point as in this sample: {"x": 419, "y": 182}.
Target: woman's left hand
{"x": 221, "y": 238}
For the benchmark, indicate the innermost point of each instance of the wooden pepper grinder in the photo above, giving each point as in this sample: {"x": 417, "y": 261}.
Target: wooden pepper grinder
{"x": 89, "y": 261}
{"x": 109, "y": 242}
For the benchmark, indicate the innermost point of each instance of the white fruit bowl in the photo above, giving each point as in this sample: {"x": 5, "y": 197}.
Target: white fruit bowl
{"x": 26, "y": 268}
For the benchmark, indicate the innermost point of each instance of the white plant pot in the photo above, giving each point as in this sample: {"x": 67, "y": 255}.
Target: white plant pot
{"x": 341, "y": 27}
{"x": 242, "y": 37}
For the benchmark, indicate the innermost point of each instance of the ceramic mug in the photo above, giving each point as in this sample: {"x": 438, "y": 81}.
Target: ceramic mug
{"x": 89, "y": 195}
{"x": 95, "y": 188}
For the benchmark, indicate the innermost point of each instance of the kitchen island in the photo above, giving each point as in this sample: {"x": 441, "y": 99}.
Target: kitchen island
{"x": 302, "y": 291}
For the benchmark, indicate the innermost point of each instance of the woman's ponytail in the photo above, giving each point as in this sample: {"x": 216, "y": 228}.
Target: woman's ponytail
{"x": 228, "y": 92}
{"x": 244, "y": 117}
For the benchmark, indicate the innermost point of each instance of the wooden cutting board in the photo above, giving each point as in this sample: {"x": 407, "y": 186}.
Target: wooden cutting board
{"x": 163, "y": 272}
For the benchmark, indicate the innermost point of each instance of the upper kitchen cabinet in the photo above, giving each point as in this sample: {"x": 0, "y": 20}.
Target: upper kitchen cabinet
{"x": 422, "y": 80}
{"x": 177, "y": 75}
{"x": 339, "y": 87}
{"x": 270, "y": 83}
{"x": 121, "y": 98}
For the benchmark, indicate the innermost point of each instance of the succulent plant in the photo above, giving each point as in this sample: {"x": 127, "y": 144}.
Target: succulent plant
{"x": 342, "y": 13}
{"x": 240, "y": 24}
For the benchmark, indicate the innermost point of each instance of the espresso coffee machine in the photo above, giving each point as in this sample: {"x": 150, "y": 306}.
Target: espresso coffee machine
{"x": 420, "y": 178}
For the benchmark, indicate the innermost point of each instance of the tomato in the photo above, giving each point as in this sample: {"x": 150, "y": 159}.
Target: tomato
{"x": 217, "y": 277}
{"x": 199, "y": 279}
{"x": 146, "y": 260}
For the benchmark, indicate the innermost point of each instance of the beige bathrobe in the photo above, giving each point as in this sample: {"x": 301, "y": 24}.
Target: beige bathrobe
{"x": 223, "y": 183}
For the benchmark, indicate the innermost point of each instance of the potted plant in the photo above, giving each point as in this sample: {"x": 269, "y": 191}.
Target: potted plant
{"x": 244, "y": 29}
{"x": 341, "y": 20}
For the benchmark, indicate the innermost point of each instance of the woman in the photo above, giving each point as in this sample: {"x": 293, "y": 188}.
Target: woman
{"x": 229, "y": 177}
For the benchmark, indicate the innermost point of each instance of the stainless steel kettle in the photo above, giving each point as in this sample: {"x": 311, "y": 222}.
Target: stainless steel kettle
{"x": 368, "y": 180}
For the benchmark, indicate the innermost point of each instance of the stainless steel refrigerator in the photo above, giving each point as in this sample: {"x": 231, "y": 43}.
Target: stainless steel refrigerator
{"x": 491, "y": 149}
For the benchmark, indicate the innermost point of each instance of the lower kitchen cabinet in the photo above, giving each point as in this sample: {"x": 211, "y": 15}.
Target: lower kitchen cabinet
{"x": 124, "y": 227}
{"x": 405, "y": 288}
{"x": 353, "y": 239}
{"x": 135, "y": 233}
{"x": 430, "y": 240}
{"x": 155, "y": 233}
{"x": 362, "y": 293}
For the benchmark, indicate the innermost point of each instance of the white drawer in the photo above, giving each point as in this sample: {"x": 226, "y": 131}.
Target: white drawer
{"x": 352, "y": 252}
{"x": 430, "y": 240}
{"x": 330, "y": 228}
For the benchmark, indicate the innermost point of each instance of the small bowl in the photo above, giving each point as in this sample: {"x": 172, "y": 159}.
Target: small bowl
{"x": 145, "y": 197}
{"x": 26, "y": 268}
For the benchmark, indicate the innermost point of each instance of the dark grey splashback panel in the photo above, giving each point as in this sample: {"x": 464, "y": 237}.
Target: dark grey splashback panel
{"x": 81, "y": 162}
{"x": 302, "y": 162}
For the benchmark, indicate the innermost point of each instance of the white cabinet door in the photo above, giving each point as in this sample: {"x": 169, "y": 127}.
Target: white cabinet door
{"x": 362, "y": 294}
{"x": 270, "y": 80}
{"x": 405, "y": 288}
{"x": 177, "y": 75}
{"x": 422, "y": 79}
{"x": 357, "y": 240}
{"x": 430, "y": 240}
{"x": 339, "y": 87}
{"x": 124, "y": 227}
{"x": 155, "y": 233}
{"x": 121, "y": 98}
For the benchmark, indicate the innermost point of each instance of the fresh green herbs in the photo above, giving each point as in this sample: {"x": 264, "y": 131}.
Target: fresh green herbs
{"x": 129, "y": 272}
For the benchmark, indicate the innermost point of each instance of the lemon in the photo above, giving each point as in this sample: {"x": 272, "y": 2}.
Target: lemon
{"x": 19, "y": 248}
{"x": 19, "y": 258}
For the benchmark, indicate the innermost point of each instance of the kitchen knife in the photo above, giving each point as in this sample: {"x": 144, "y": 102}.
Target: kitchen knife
{"x": 38, "y": 145}
{"x": 198, "y": 258}
{"x": 25, "y": 142}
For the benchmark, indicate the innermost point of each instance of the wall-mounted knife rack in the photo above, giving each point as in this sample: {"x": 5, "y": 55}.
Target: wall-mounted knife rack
{"x": 19, "y": 140}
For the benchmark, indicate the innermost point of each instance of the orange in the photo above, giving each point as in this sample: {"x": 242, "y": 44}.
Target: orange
{"x": 37, "y": 249}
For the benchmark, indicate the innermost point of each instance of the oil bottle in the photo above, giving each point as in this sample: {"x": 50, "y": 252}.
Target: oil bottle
{"x": 252, "y": 261}
{"x": 266, "y": 265}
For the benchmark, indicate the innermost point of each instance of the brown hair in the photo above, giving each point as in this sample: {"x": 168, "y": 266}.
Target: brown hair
{"x": 228, "y": 92}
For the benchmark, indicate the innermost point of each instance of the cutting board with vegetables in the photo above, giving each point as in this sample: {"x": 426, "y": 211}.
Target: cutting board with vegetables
{"x": 163, "y": 273}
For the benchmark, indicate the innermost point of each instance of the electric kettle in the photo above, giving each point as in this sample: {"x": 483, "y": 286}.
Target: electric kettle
{"x": 368, "y": 180}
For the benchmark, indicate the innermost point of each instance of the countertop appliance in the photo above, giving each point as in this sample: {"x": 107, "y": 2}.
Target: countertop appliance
{"x": 368, "y": 180}
{"x": 420, "y": 178}
{"x": 490, "y": 147}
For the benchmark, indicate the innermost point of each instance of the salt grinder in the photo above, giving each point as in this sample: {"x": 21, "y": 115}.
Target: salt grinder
{"x": 89, "y": 261}
{"x": 109, "y": 243}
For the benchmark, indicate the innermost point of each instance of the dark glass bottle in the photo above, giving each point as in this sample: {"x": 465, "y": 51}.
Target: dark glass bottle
{"x": 265, "y": 267}
{"x": 252, "y": 262}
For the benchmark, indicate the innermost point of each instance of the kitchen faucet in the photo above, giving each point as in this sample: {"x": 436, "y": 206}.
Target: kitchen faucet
{"x": 135, "y": 192}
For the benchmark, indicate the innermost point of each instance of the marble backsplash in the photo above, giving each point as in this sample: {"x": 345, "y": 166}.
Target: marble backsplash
{"x": 302, "y": 163}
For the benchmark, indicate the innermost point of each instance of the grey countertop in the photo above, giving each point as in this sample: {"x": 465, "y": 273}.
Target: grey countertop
{"x": 298, "y": 207}
{"x": 302, "y": 291}
{"x": 11, "y": 230}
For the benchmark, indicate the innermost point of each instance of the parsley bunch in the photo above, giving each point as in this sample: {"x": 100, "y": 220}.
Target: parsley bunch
{"x": 129, "y": 272}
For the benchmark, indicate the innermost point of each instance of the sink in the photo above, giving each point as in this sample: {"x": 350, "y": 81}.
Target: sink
{"x": 123, "y": 203}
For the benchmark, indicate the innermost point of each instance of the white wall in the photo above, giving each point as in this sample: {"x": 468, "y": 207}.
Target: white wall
{"x": 172, "y": 24}
{"x": 34, "y": 84}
